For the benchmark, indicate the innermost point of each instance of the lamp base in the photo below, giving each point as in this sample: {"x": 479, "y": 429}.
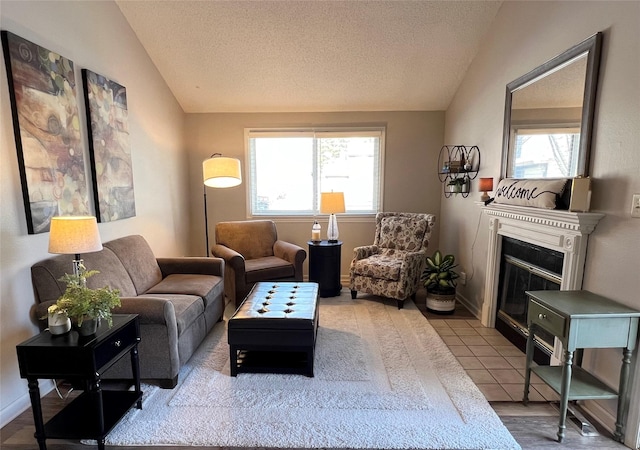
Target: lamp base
{"x": 484, "y": 197}
{"x": 332, "y": 229}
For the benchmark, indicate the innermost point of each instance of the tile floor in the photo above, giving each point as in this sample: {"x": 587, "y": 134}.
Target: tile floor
{"x": 492, "y": 362}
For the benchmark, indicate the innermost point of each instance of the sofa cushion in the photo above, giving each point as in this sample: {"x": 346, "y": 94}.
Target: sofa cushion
{"x": 209, "y": 287}
{"x": 187, "y": 307}
{"x": 46, "y": 274}
{"x": 252, "y": 239}
{"x": 402, "y": 233}
{"x": 268, "y": 268}
{"x": 138, "y": 260}
{"x": 382, "y": 266}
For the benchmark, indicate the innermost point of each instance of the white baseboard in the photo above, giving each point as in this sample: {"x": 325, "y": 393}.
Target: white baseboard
{"x": 21, "y": 404}
{"x": 605, "y": 418}
{"x": 473, "y": 308}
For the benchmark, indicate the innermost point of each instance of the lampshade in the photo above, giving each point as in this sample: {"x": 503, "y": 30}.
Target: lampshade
{"x": 332, "y": 202}
{"x": 74, "y": 235}
{"x": 221, "y": 172}
{"x": 486, "y": 184}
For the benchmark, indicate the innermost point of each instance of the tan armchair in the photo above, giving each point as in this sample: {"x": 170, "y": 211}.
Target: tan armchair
{"x": 252, "y": 253}
{"x": 392, "y": 266}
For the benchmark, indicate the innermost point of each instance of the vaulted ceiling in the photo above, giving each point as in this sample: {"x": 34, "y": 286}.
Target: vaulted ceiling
{"x": 310, "y": 56}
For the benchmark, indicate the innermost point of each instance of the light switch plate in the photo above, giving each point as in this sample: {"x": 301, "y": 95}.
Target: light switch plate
{"x": 635, "y": 206}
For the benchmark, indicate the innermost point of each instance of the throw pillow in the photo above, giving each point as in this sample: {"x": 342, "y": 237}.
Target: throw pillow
{"x": 541, "y": 193}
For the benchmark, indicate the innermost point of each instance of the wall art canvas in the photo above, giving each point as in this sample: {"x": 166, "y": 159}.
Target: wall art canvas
{"x": 42, "y": 89}
{"x": 109, "y": 148}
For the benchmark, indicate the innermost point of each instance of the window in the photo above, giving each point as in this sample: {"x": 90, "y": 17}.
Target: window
{"x": 290, "y": 168}
{"x": 545, "y": 152}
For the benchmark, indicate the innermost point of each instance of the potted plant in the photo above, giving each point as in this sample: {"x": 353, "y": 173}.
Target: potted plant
{"x": 439, "y": 279}
{"x": 458, "y": 185}
{"x": 84, "y": 306}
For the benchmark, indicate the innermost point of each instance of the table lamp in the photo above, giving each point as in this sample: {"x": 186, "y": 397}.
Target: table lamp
{"x": 486, "y": 184}
{"x": 332, "y": 203}
{"x": 73, "y": 235}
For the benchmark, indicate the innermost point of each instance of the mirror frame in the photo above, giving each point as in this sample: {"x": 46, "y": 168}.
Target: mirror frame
{"x": 592, "y": 47}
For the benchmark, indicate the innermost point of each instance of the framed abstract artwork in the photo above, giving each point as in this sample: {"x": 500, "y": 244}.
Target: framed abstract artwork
{"x": 109, "y": 148}
{"x": 42, "y": 89}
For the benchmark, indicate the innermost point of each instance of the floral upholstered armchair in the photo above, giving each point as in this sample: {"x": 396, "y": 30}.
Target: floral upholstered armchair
{"x": 392, "y": 266}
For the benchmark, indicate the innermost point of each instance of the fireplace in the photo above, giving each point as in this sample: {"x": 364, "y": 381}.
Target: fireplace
{"x": 556, "y": 241}
{"x": 525, "y": 267}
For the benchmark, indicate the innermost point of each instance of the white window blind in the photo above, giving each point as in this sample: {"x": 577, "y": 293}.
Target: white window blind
{"x": 288, "y": 169}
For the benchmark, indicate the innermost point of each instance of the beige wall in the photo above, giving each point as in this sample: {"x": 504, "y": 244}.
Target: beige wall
{"x": 523, "y": 36}
{"x": 93, "y": 35}
{"x": 413, "y": 140}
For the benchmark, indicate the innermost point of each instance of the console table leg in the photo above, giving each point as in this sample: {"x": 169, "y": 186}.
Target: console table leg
{"x": 135, "y": 368}
{"x": 564, "y": 397}
{"x": 36, "y": 407}
{"x": 622, "y": 395}
{"x": 527, "y": 372}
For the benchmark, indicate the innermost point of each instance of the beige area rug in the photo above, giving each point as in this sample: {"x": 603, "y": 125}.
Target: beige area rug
{"x": 383, "y": 379}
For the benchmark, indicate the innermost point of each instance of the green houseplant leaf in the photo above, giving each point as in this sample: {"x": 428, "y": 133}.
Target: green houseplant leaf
{"x": 80, "y": 302}
{"x": 438, "y": 275}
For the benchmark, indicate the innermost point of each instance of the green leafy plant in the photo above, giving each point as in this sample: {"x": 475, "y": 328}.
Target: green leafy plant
{"x": 80, "y": 302}
{"x": 438, "y": 275}
{"x": 457, "y": 181}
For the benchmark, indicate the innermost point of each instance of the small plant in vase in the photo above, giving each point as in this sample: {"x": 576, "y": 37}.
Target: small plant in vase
{"x": 439, "y": 279}
{"x": 459, "y": 185}
{"x": 84, "y": 305}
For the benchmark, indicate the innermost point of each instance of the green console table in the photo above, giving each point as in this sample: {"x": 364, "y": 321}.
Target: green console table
{"x": 581, "y": 319}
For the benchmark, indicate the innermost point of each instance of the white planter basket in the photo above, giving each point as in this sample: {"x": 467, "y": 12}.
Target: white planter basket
{"x": 441, "y": 304}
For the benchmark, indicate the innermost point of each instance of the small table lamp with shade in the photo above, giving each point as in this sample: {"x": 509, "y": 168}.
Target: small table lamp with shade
{"x": 332, "y": 203}
{"x": 486, "y": 184}
{"x": 73, "y": 235}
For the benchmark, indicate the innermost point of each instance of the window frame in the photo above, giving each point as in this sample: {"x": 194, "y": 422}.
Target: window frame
{"x": 379, "y": 131}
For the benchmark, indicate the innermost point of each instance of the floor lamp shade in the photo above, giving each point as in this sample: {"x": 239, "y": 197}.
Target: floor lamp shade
{"x": 218, "y": 172}
{"x": 332, "y": 203}
{"x": 221, "y": 172}
{"x": 74, "y": 235}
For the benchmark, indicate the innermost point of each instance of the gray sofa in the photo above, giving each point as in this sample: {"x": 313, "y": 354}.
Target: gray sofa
{"x": 178, "y": 300}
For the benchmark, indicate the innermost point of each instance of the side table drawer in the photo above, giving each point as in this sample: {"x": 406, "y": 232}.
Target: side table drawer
{"x": 122, "y": 341}
{"x": 551, "y": 321}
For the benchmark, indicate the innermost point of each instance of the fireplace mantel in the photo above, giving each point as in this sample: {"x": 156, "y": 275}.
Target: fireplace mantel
{"x": 559, "y": 230}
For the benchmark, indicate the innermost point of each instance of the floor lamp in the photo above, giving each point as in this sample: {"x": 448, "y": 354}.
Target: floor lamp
{"x": 219, "y": 172}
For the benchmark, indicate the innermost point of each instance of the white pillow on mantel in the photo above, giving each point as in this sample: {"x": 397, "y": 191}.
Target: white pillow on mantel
{"x": 538, "y": 193}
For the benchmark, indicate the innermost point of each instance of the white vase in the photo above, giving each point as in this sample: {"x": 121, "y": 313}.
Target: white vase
{"x": 441, "y": 303}
{"x": 58, "y": 323}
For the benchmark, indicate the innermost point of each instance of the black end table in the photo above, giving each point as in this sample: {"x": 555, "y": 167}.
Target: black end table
{"x": 324, "y": 266}
{"x": 82, "y": 359}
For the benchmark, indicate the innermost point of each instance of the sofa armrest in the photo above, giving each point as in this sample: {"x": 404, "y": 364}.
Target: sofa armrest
{"x": 364, "y": 251}
{"x": 151, "y": 310}
{"x": 292, "y": 253}
{"x": 154, "y": 310}
{"x": 289, "y": 252}
{"x": 232, "y": 258}
{"x": 191, "y": 265}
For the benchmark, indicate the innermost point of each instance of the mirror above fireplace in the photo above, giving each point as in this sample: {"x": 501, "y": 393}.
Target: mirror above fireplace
{"x": 548, "y": 116}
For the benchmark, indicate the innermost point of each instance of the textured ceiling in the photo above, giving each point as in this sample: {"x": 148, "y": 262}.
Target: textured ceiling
{"x": 310, "y": 56}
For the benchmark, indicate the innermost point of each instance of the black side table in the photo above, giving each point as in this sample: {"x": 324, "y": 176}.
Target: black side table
{"x": 324, "y": 266}
{"x": 70, "y": 356}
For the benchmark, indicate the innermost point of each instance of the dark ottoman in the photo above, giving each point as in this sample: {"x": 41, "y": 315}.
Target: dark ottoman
{"x": 274, "y": 329}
